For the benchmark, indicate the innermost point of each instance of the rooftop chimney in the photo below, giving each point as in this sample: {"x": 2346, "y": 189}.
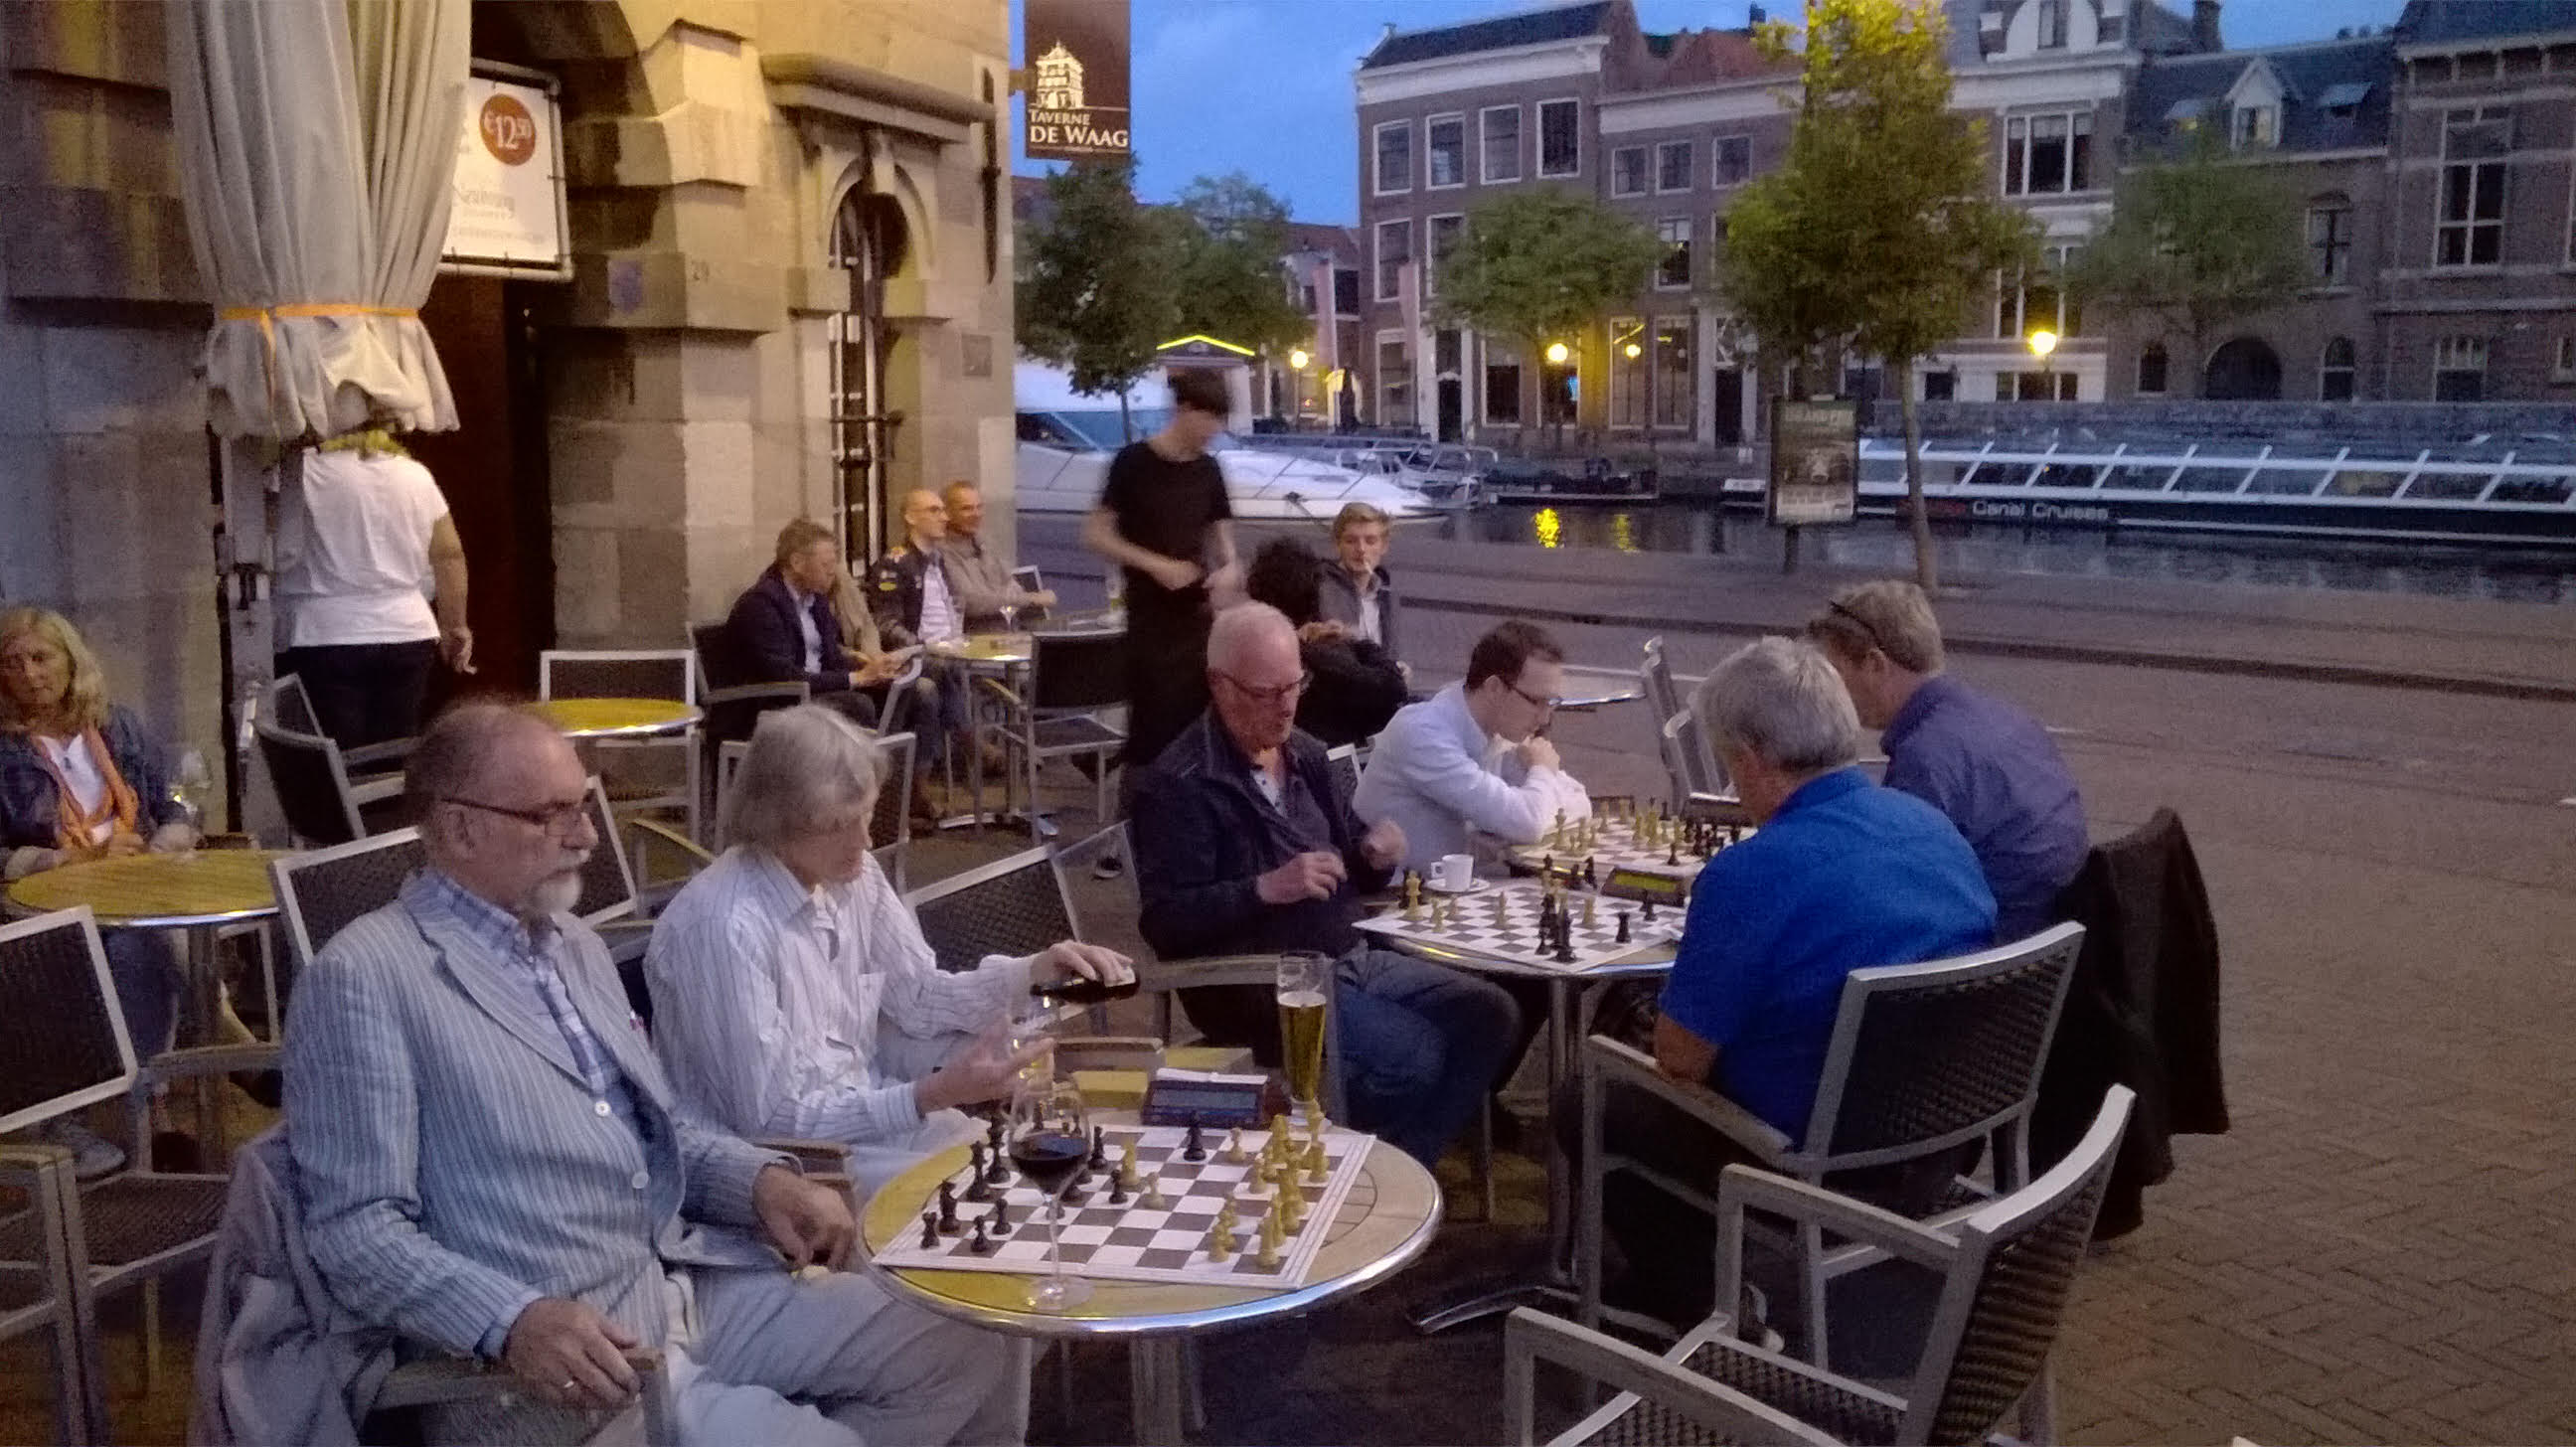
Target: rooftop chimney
{"x": 2204, "y": 26}
{"x": 1755, "y": 16}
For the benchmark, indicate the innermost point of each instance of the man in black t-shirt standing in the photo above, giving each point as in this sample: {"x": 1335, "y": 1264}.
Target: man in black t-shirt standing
{"x": 1164, "y": 519}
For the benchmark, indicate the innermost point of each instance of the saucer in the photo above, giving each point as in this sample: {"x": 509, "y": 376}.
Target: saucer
{"x": 1477, "y": 886}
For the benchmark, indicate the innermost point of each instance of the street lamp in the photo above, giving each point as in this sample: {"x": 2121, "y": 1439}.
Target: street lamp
{"x": 2043, "y": 342}
{"x": 1297, "y": 359}
{"x": 1633, "y": 351}
{"x": 1556, "y": 354}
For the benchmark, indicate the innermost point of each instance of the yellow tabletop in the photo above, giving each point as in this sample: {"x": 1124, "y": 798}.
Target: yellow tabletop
{"x": 1384, "y": 1223}
{"x": 209, "y": 886}
{"x": 599, "y": 718}
{"x": 987, "y": 648}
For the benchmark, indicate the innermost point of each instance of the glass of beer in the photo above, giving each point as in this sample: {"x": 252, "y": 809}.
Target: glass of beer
{"x": 1304, "y": 976}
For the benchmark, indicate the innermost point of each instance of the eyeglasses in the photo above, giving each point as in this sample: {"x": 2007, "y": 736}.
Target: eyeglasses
{"x": 1868, "y": 630}
{"x": 1540, "y": 699}
{"x": 1284, "y": 693}
{"x": 563, "y": 821}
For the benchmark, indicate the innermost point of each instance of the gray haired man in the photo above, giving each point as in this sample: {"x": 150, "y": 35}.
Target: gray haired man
{"x": 490, "y": 1163}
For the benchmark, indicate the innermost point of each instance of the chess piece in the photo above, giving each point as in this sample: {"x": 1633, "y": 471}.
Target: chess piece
{"x": 1590, "y": 903}
{"x": 1564, "y": 944}
{"x": 1502, "y": 912}
{"x": 1412, "y": 897}
{"x": 1193, "y": 1145}
{"x": 982, "y": 1245}
{"x": 1546, "y": 870}
{"x": 1591, "y": 880}
{"x": 1319, "y": 1167}
{"x": 930, "y": 1230}
{"x": 1266, "y": 1255}
{"x": 1556, "y": 834}
{"x": 1001, "y": 1218}
{"x": 1117, "y": 1190}
{"x": 948, "y": 1222}
{"x": 1099, "y": 1153}
{"x": 1127, "y": 1163}
{"x": 1278, "y": 1134}
{"x": 1225, "y": 1218}
{"x": 1154, "y": 1199}
{"x": 1622, "y": 937}
{"x": 1233, "y": 1154}
{"x": 977, "y": 1188}
{"x": 1650, "y": 911}
{"x": 1672, "y": 851}
{"x": 1220, "y": 1238}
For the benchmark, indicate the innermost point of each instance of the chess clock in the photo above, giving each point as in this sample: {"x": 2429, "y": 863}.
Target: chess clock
{"x": 1639, "y": 885}
{"x": 1223, "y": 1104}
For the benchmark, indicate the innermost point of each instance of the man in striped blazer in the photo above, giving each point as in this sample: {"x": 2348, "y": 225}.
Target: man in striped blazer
{"x": 489, "y": 1161}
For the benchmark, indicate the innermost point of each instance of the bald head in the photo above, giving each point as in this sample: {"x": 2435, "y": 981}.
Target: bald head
{"x": 925, "y": 517}
{"x": 1255, "y": 676}
{"x": 501, "y": 799}
{"x": 1249, "y": 632}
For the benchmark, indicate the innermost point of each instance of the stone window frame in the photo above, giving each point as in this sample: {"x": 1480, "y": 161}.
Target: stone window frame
{"x": 2477, "y": 164}
{"x": 1628, "y": 381}
{"x": 1390, "y": 285}
{"x": 1485, "y": 150}
{"x": 1377, "y": 158}
{"x": 1431, "y": 146}
{"x": 1621, "y": 188}
{"x": 1488, "y": 365}
{"x": 2338, "y": 374}
{"x": 2454, "y": 356}
{"x": 1664, "y": 169}
{"x": 2331, "y": 253}
{"x": 1675, "y": 242}
{"x": 1539, "y": 143}
{"x": 2049, "y": 11}
{"x": 1717, "y": 149}
{"x": 1400, "y": 381}
{"x": 1428, "y": 265}
{"x": 2017, "y": 131}
{"x": 2154, "y": 351}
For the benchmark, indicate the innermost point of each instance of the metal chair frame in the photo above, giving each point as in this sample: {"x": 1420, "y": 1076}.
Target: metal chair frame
{"x": 891, "y": 825}
{"x": 43, "y": 1175}
{"x": 351, "y": 798}
{"x": 1655, "y": 674}
{"x": 1045, "y": 725}
{"x": 1030, "y": 580}
{"x": 1342, "y": 761}
{"x": 301, "y": 878}
{"x": 685, "y": 743}
{"x": 292, "y": 708}
{"x": 1927, "y": 1127}
{"x": 932, "y": 903}
{"x": 2007, "y": 1268}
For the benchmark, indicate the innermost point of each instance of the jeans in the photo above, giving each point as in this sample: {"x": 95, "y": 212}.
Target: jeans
{"x": 1421, "y": 1045}
{"x": 364, "y": 693}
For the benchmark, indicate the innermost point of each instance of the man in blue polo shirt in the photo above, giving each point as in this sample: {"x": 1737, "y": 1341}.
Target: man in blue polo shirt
{"x": 1842, "y": 875}
{"x": 1986, "y": 764}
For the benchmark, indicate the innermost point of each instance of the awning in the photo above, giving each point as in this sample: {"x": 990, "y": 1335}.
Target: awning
{"x": 317, "y": 141}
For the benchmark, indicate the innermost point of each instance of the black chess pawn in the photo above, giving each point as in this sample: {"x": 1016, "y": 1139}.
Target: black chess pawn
{"x": 1622, "y": 937}
{"x": 1673, "y": 849}
{"x": 930, "y": 1230}
{"x": 1650, "y": 911}
{"x": 1590, "y": 879}
{"x": 1193, "y": 1146}
{"x": 1099, "y": 1153}
{"x": 977, "y": 1187}
{"x": 982, "y": 1245}
{"x": 948, "y": 1222}
{"x": 1564, "y": 945}
{"x": 1117, "y": 1190}
{"x": 1001, "y": 1218}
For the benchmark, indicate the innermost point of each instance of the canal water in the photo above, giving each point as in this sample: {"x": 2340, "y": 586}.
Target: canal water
{"x": 2520, "y": 575}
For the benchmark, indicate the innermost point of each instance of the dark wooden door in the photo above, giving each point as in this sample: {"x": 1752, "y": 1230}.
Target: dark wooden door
{"x": 1728, "y": 385}
{"x": 492, "y": 468}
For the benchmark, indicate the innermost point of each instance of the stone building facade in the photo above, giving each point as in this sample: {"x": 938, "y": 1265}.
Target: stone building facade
{"x": 791, "y": 255}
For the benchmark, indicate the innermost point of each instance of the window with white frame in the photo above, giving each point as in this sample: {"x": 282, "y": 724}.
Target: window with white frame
{"x": 2335, "y": 371}
{"x": 1394, "y": 249}
{"x": 1628, "y": 171}
{"x": 1502, "y": 383}
{"x": 2469, "y": 228}
{"x": 1731, "y": 160}
{"x": 2040, "y": 386}
{"x": 2036, "y": 301}
{"x": 1499, "y": 143}
{"x": 2460, "y": 369}
{"x": 1629, "y": 369}
{"x": 1673, "y": 273}
{"x": 1394, "y": 380}
{"x": 1393, "y": 147}
{"x": 2048, "y": 155}
{"x": 1438, "y": 235}
{"x": 2256, "y": 126}
{"x": 2052, "y": 24}
{"x": 1560, "y": 137}
{"x": 1444, "y": 147}
{"x": 2330, "y": 240}
{"x": 1672, "y": 165}
{"x": 1676, "y": 384}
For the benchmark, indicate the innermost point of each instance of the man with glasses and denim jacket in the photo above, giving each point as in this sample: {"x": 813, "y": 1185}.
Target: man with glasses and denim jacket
{"x": 1244, "y": 846}
{"x": 1475, "y": 758}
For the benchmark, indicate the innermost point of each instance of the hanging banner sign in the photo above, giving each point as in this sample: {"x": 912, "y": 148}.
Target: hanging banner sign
{"x": 508, "y": 210}
{"x": 1815, "y": 462}
{"x": 1076, "y": 79}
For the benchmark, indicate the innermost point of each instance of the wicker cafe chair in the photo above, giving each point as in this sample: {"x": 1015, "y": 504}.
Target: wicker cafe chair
{"x": 1655, "y": 672}
{"x": 65, "y": 1040}
{"x": 37, "y": 1295}
{"x": 638, "y": 769}
{"x": 2006, "y": 1270}
{"x": 321, "y": 891}
{"x": 890, "y": 826}
{"x": 310, "y": 776}
{"x": 1923, "y": 1059}
{"x": 1013, "y": 906}
{"x": 292, "y": 709}
{"x": 1072, "y": 680}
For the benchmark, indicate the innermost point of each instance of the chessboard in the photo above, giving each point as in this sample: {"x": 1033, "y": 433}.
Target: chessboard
{"x": 1503, "y": 924}
{"x": 1668, "y": 848}
{"x": 1131, "y": 1241}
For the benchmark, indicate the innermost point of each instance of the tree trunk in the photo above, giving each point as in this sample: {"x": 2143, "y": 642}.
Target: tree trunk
{"x": 1927, "y": 569}
{"x": 1126, "y": 427}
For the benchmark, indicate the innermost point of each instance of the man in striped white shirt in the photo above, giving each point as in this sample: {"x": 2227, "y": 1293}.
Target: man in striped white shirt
{"x": 793, "y": 994}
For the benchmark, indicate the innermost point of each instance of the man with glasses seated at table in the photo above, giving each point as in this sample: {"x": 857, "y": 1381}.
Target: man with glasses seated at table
{"x": 1843, "y": 875}
{"x": 1243, "y": 846}
{"x": 489, "y": 1162}
{"x": 1475, "y": 758}
{"x": 793, "y": 994}
{"x": 1986, "y": 764}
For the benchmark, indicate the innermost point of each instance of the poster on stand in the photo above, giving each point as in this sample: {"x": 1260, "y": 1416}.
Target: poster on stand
{"x": 1815, "y": 462}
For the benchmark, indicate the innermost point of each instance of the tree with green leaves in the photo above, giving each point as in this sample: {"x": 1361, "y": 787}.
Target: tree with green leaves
{"x": 1095, "y": 294}
{"x": 1539, "y": 265}
{"x": 1230, "y": 234}
{"x": 1880, "y": 233}
{"x": 2196, "y": 242}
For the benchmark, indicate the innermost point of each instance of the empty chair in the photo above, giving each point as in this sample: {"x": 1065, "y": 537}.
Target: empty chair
{"x": 1663, "y": 695}
{"x": 311, "y": 779}
{"x": 292, "y": 708}
{"x": 1072, "y": 679}
{"x": 660, "y": 772}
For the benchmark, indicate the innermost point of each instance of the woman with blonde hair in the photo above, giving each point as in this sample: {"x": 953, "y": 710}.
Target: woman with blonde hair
{"x": 80, "y": 779}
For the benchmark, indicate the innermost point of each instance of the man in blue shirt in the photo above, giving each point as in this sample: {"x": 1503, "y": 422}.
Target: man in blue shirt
{"x": 1986, "y": 764}
{"x": 1842, "y": 875}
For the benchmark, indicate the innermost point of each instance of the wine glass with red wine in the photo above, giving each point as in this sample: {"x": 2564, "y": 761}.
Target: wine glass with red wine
{"x": 1050, "y": 1139}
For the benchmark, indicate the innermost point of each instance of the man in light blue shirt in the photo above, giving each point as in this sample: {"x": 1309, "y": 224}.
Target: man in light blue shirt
{"x": 1475, "y": 757}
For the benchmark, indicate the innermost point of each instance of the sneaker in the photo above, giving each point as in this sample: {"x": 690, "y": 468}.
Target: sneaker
{"x": 92, "y": 1157}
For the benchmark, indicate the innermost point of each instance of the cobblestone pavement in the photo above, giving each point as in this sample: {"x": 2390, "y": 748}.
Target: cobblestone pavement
{"x": 2378, "y": 1252}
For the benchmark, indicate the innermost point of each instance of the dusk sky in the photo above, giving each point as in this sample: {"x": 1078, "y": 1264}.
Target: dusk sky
{"x": 1264, "y": 86}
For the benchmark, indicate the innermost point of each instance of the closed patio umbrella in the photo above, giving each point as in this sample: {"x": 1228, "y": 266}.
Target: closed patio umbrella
{"x": 317, "y": 143}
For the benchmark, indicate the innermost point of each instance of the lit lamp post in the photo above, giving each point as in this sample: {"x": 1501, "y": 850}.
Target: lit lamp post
{"x": 1556, "y": 355}
{"x": 1297, "y": 360}
{"x": 2043, "y": 343}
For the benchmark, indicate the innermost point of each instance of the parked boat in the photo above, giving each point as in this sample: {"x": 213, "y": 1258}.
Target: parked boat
{"x": 1595, "y": 479}
{"x": 2520, "y": 491}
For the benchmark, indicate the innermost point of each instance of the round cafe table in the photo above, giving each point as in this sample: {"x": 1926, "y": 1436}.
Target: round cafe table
{"x": 1384, "y": 1224}
{"x": 619, "y": 718}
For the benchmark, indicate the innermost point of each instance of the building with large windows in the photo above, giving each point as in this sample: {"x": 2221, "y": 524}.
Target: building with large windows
{"x": 2431, "y": 169}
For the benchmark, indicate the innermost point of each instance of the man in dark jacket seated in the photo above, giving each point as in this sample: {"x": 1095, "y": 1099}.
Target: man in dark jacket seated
{"x": 783, "y": 628}
{"x": 1356, "y": 686}
{"x": 1243, "y": 847}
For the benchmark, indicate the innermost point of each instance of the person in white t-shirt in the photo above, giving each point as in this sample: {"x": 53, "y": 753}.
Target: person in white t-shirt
{"x": 370, "y": 587}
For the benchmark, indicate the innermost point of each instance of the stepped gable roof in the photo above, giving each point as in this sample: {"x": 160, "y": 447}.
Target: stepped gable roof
{"x": 2338, "y": 92}
{"x": 2433, "y": 22}
{"x": 1529, "y": 27}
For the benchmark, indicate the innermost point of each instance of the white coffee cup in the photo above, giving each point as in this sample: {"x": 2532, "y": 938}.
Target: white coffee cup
{"x": 1453, "y": 872}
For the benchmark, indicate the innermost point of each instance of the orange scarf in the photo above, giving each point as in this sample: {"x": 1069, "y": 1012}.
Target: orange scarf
{"x": 74, "y": 825}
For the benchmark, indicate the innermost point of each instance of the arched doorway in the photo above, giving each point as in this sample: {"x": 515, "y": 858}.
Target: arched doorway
{"x": 2243, "y": 370}
{"x": 868, "y": 242}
